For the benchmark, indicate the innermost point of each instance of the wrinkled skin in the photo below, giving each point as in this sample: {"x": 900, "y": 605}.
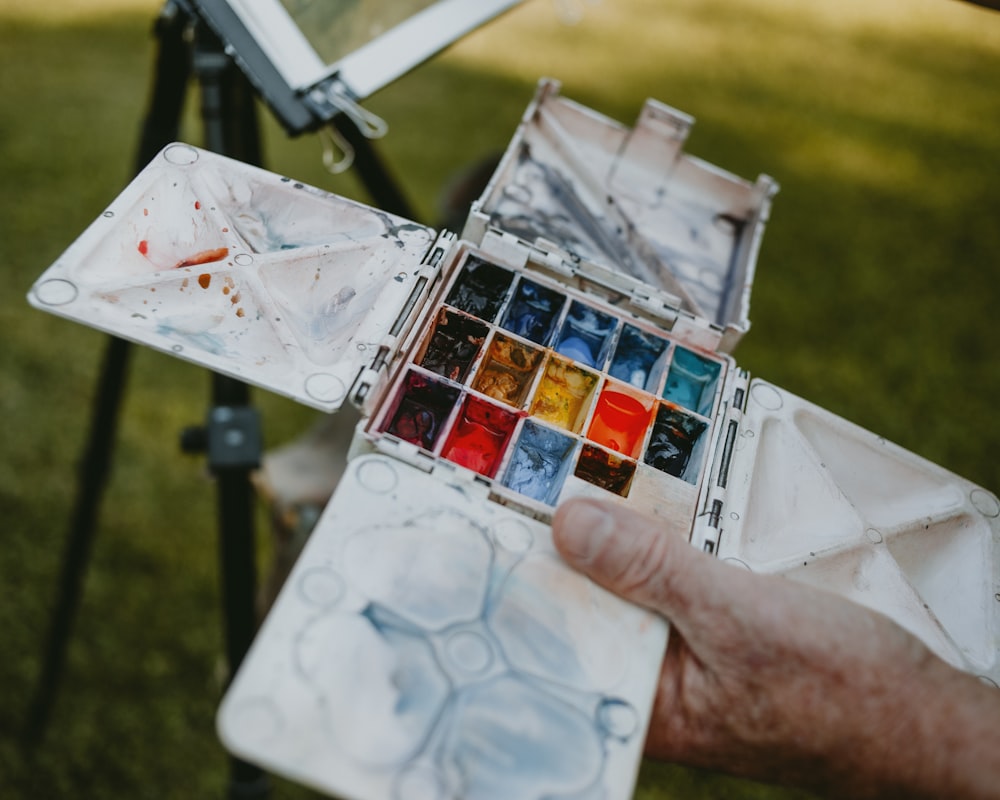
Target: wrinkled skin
{"x": 773, "y": 680}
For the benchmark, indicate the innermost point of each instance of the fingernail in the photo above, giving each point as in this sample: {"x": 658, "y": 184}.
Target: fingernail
{"x": 585, "y": 528}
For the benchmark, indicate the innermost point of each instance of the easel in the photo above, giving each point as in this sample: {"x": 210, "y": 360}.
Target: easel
{"x": 231, "y": 437}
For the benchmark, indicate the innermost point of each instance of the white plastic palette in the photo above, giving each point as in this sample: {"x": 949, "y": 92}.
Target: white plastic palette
{"x": 242, "y": 271}
{"x": 818, "y": 499}
{"x": 429, "y": 643}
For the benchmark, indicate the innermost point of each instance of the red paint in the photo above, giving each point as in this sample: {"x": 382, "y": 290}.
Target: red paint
{"x": 204, "y": 280}
{"x": 204, "y": 257}
{"x": 620, "y": 422}
{"x": 197, "y": 205}
{"x": 480, "y": 436}
{"x": 144, "y": 247}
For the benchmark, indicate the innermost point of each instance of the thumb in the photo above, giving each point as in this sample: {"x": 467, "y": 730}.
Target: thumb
{"x": 630, "y": 555}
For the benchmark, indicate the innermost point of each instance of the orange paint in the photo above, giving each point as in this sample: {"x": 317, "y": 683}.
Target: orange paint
{"x": 239, "y": 312}
{"x": 204, "y": 257}
{"x": 620, "y": 422}
{"x": 204, "y": 280}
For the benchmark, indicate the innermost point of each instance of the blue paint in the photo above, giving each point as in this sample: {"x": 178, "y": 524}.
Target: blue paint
{"x": 533, "y": 312}
{"x": 511, "y": 740}
{"x": 586, "y": 335}
{"x": 206, "y": 342}
{"x": 691, "y": 381}
{"x": 539, "y": 464}
{"x": 639, "y": 358}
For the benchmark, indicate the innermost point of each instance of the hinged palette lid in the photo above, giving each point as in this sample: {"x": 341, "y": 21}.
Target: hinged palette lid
{"x": 821, "y": 500}
{"x": 431, "y": 645}
{"x": 245, "y": 272}
{"x": 631, "y": 201}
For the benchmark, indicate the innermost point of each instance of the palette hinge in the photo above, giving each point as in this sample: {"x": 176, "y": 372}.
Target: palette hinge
{"x": 437, "y": 251}
{"x": 552, "y": 262}
{"x": 729, "y": 430}
{"x": 462, "y": 479}
{"x": 404, "y": 451}
{"x": 706, "y": 532}
{"x": 655, "y": 307}
{"x": 506, "y": 248}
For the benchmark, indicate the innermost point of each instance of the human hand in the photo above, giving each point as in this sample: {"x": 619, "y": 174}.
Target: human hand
{"x": 770, "y": 679}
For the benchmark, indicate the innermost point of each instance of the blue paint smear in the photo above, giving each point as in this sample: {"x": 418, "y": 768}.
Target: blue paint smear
{"x": 512, "y": 740}
{"x": 205, "y": 342}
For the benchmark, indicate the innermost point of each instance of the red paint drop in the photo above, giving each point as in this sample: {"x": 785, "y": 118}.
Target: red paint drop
{"x": 197, "y": 205}
{"x": 144, "y": 247}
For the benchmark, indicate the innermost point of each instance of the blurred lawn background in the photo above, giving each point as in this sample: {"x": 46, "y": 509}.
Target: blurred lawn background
{"x": 876, "y": 296}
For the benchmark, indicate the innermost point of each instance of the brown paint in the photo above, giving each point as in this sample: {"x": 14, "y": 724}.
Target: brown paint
{"x": 204, "y": 257}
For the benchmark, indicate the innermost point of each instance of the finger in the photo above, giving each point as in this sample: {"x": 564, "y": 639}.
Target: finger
{"x": 629, "y": 555}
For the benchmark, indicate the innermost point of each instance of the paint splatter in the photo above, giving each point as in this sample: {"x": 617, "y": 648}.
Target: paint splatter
{"x": 204, "y": 257}
{"x": 144, "y": 247}
{"x": 204, "y": 280}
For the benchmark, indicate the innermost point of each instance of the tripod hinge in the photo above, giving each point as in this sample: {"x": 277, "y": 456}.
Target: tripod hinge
{"x": 231, "y": 438}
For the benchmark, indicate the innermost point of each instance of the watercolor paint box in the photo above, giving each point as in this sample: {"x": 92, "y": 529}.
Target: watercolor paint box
{"x": 574, "y": 340}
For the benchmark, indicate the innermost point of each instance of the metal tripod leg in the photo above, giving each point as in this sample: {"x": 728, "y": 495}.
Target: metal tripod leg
{"x": 160, "y": 128}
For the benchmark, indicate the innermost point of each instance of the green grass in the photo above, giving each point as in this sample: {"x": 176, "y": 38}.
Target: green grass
{"x": 875, "y": 297}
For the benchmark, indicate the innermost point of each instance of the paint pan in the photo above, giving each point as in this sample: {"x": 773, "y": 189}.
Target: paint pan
{"x": 508, "y": 370}
{"x": 533, "y": 311}
{"x": 479, "y": 436}
{"x": 639, "y": 358}
{"x": 673, "y": 440}
{"x": 608, "y": 470}
{"x": 586, "y": 335}
{"x": 454, "y": 343}
{"x": 621, "y": 419}
{"x": 692, "y": 381}
{"x": 480, "y": 289}
{"x": 541, "y": 459}
{"x": 422, "y": 409}
{"x": 564, "y": 394}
